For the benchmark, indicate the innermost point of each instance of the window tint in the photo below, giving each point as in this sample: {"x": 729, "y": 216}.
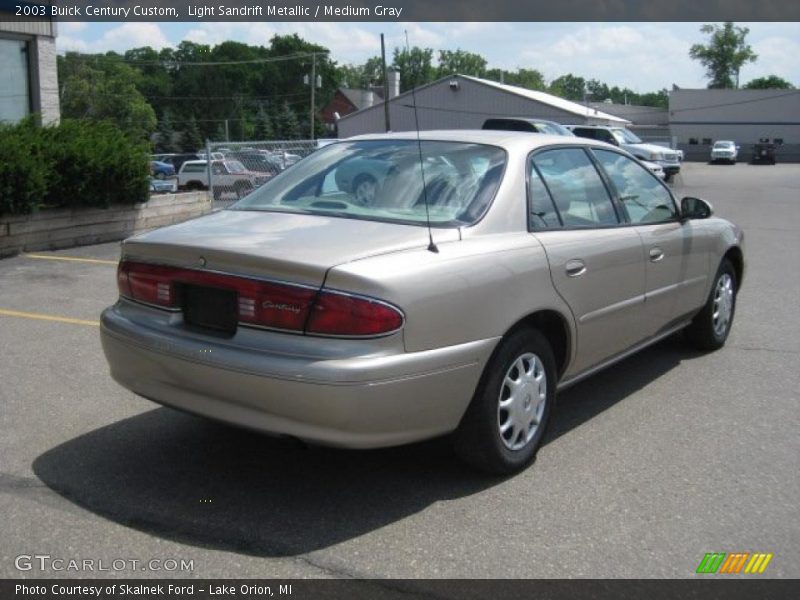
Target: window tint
{"x": 583, "y": 132}
{"x": 576, "y": 188}
{"x": 645, "y": 199}
{"x": 542, "y": 213}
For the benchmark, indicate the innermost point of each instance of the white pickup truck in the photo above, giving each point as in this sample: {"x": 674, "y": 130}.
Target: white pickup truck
{"x": 227, "y": 177}
{"x": 624, "y": 138}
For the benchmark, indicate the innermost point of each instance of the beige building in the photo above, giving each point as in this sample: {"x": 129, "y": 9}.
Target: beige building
{"x": 28, "y": 70}
{"x": 698, "y": 118}
{"x": 463, "y": 102}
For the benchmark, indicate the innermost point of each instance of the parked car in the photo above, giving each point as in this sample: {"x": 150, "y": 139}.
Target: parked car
{"x": 228, "y": 176}
{"x": 159, "y": 186}
{"x": 763, "y": 152}
{"x": 657, "y": 169}
{"x": 526, "y": 124}
{"x": 457, "y": 303}
{"x": 255, "y": 160}
{"x": 177, "y": 160}
{"x": 161, "y": 170}
{"x": 724, "y": 151}
{"x": 627, "y": 140}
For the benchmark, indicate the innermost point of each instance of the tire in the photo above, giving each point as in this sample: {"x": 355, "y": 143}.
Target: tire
{"x": 242, "y": 190}
{"x": 710, "y": 327}
{"x": 217, "y": 195}
{"x": 480, "y": 440}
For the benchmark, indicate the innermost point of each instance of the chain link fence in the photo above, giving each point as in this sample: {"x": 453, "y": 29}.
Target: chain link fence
{"x": 238, "y": 168}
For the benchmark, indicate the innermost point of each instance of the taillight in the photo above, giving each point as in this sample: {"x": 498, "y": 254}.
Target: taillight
{"x": 152, "y": 284}
{"x": 274, "y": 305}
{"x": 263, "y": 303}
{"x": 345, "y": 315}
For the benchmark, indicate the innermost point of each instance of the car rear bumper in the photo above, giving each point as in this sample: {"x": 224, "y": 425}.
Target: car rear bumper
{"x": 356, "y": 402}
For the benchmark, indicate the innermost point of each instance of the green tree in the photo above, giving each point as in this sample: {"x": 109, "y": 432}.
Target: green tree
{"x": 569, "y": 86}
{"x": 724, "y": 54}
{"x": 192, "y": 140}
{"x": 771, "y": 82}
{"x": 527, "y": 78}
{"x": 462, "y": 62}
{"x": 361, "y": 76}
{"x": 415, "y": 66}
{"x": 166, "y": 134}
{"x": 285, "y": 123}
{"x": 263, "y": 129}
{"x": 597, "y": 91}
{"x": 103, "y": 88}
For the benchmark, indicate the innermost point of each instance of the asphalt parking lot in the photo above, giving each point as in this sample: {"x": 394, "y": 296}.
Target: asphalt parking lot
{"x": 646, "y": 467}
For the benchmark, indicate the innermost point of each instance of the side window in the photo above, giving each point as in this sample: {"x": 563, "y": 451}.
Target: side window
{"x": 605, "y": 136}
{"x": 541, "y": 211}
{"x": 584, "y": 133}
{"x": 576, "y": 188}
{"x": 645, "y": 199}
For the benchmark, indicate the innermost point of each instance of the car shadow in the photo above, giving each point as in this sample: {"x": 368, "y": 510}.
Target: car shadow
{"x": 185, "y": 478}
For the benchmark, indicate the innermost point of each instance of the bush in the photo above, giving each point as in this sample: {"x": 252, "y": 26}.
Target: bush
{"x": 24, "y": 176}
{"x": 74, "y": 164}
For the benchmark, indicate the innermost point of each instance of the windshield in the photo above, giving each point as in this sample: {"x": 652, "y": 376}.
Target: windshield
{"x": 383, "y": 180}
{"x": 623, "y": 136}
{"x": 723, "y": 144}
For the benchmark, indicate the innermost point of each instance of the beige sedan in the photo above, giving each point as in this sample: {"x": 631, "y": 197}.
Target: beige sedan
{"x": 488, "y": 270}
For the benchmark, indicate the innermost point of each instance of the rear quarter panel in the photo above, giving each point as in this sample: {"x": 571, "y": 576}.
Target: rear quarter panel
{"x": 470, "y": 290}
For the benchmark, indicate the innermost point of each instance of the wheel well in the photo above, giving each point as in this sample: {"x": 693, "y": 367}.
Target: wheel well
{"x": 554, "y": 327}
{"x": 736, "y": 257}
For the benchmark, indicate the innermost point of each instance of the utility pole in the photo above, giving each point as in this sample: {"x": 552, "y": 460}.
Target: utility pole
{"x": 315, "y": 82}
{"x": 385, "y": 86}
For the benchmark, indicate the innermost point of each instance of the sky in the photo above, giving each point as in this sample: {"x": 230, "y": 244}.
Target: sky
{"x": 641, "y": 56}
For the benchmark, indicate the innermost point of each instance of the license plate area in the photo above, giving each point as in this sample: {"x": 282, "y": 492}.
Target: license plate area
{"x": 212, "y": 310}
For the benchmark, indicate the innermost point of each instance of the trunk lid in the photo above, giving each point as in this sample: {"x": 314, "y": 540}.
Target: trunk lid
{"x": 287, "y": 247}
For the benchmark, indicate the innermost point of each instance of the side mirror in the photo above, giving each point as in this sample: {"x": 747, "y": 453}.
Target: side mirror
{"x": 613, "y": 141}
{"x": 695, "y": 208}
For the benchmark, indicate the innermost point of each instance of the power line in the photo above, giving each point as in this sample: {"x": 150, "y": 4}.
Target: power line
{"x": 180, "y": 63}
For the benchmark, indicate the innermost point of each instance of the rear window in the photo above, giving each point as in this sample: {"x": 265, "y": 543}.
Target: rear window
{"x": 510, "y": 125}
{"x": 193, "y": 168}
{"x": 383, "y": 180}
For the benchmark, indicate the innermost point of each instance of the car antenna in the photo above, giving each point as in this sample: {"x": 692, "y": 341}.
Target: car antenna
{"x": 431, "y": 245}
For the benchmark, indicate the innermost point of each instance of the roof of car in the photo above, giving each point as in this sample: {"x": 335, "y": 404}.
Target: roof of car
{"x": 485, "y": 136}
{"x": 595, "y": 126}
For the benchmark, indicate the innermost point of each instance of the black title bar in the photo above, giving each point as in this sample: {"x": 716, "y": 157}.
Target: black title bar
{"x": 402, "y": 10}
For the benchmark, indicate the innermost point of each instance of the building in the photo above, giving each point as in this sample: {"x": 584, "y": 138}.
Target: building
{"x": 27, "y": 67}
{"x": 349, "y": 100}
{"x": 463, "y": 102}
{"x": 700, "y": 117}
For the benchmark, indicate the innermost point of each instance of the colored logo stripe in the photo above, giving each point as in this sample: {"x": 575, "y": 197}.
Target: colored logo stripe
{"x": 758, "y": 563}
{"x": 711, "y": 562}
{"x": 734, "y": 562}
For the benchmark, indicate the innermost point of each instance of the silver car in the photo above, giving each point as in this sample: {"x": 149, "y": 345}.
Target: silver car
{"x": 489, "y": 270}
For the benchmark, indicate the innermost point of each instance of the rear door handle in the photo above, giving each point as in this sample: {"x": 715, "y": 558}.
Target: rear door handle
{"x": 656, "y": 254}
{"x": 575, "y": 267}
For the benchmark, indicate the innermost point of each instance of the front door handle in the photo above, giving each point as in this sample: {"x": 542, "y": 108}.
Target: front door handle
{"x": 656, "y": 254}
{"x": 575, "y": 267}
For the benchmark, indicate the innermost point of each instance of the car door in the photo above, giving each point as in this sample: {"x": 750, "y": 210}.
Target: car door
{"x": 675, "y": 258}
{"x": 595, "y": 263}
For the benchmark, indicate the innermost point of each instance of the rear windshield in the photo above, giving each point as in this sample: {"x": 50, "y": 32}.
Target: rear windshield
{"x": 383, "y": 180}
